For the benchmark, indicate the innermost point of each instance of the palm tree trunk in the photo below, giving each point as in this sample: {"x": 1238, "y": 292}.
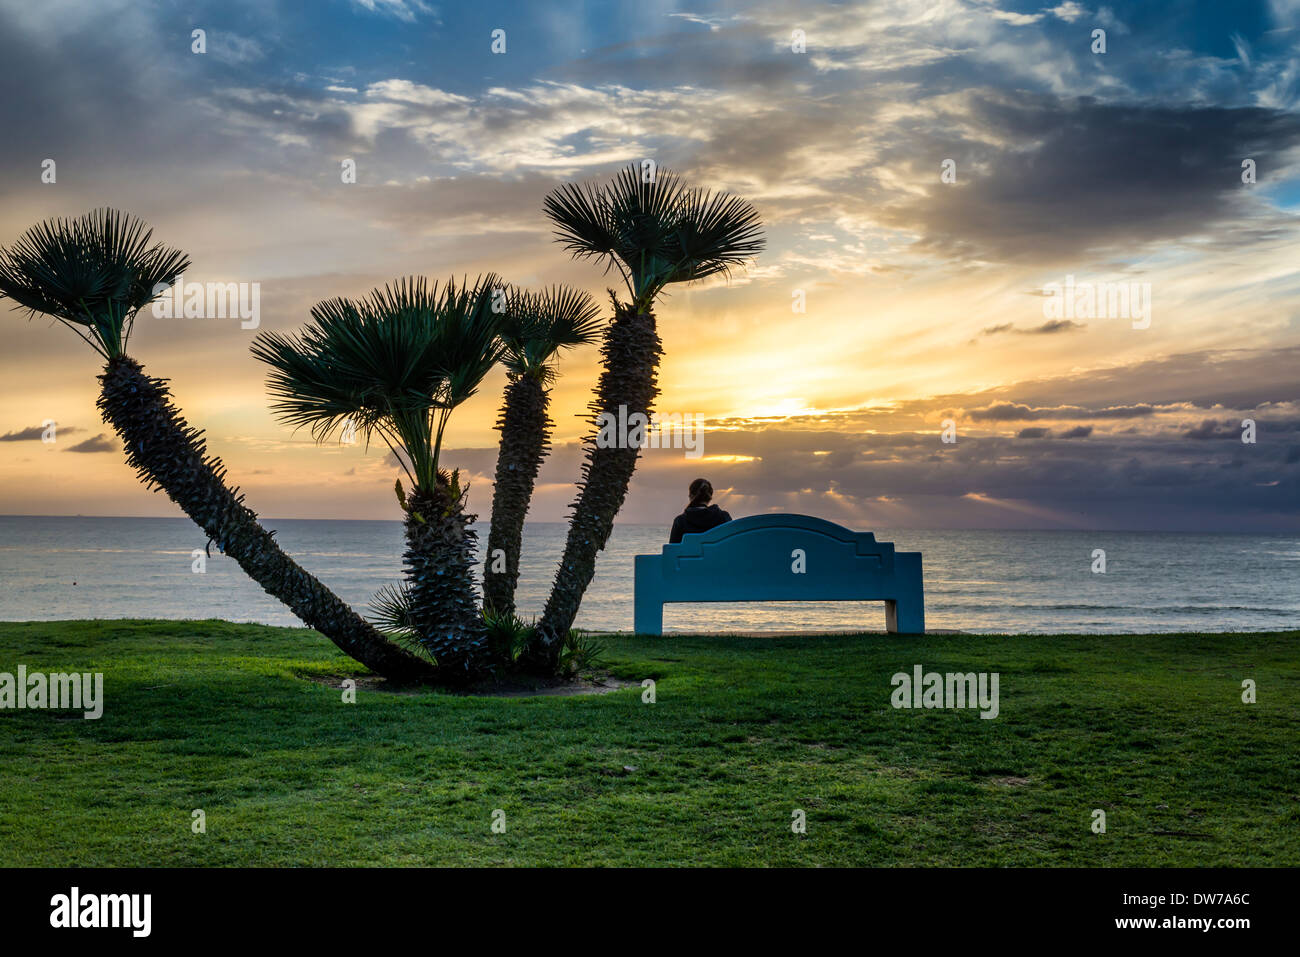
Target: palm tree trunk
{"x": 630, "y": 354}
{"x": 439, "y": 562}
{"x": 525, "y": 439}
{"x": 167, "y": 454}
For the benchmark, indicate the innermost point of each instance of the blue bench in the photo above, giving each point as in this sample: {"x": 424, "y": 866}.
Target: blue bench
{"x": 780, "y": 558}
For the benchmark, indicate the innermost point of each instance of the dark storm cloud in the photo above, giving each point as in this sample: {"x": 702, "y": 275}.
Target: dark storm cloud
{"x": 138, "y": 108}
{"x": 1078, "y": 432}
{"x": 1042, "y": 180}
{"x": 1052, "y": 178}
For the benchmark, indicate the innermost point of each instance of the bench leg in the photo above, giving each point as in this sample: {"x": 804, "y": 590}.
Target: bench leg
{"x": 905, "y": 616}
{"x": 647, "y": 617}
{"x": 905, "y": 613}
{"x": 647, "y": 596}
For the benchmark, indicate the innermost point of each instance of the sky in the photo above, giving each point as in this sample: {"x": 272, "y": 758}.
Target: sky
{"x": 927, "y": 173}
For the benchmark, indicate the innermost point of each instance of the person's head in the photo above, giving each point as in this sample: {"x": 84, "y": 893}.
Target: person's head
{"x": 701, "y": 492}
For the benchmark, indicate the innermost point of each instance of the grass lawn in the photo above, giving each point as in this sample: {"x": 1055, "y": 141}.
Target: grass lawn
{"x": 212, "y": 715}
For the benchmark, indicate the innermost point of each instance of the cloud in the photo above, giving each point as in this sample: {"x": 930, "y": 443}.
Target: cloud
{"x": 1046, "y": 329}
{"x": 35, "y": 432}
{"x": 1229, "y": 378}
{"x": 1054, "y": 326}
{"x": 1069, "y": 11}
{"x": 234, "y": 49}
{"x": 711, "y": 22}
{"x": 1017, "y": 412}
{"x": 1242, "y": 47}
{"x": 1106, "y": 17}
{"x": 99, "y": 443}
{"x": 1016, "y": 19}
{"x": 1137, "y": 480}
{"x": 1210, "y": 429}
{"x": 404, "y": 10}
{"x": 1124, "y": 166}
{"x": 1044, "y": 179}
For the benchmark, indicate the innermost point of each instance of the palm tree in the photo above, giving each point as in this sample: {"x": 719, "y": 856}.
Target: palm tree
{"x": 654, "y": 233}
{"x": 94, "y": 274}
{"x": 539, "y": 326}
{"x": 395, "y": 366}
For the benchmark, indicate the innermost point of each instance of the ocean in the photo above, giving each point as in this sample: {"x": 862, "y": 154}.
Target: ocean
{"x": 975, "y": 581}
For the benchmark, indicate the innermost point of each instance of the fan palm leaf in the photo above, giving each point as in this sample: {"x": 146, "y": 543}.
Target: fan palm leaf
{"x": 655, "y": 232}
{"x": 92, "y": 273}
{"x": 540, "y": 324}
{"x": 393, "y": 365}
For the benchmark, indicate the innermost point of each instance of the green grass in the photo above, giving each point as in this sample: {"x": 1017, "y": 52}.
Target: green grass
{"x": 216, "y": 716}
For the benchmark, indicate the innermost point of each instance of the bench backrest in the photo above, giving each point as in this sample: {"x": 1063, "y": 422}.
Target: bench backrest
{"x": 776, "y": 558}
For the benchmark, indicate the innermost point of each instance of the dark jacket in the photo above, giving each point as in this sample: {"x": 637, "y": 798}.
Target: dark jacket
{"x": 697, "y": 518}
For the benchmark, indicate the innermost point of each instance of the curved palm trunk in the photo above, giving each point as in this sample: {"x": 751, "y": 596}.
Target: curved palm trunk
{"x": 630, "y": 353}
{"x": 525, "y": 439}
{"x": 167, "y": 454}
{"x": 439, "y": 563}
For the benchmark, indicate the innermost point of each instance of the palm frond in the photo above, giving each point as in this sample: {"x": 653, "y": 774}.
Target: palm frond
{"x": 390, "y": 611}
{"x": 581, "y": 215}
{"x": 715, "y": 232}
{"x": 542, "y": 323}
{"x": 394, "y": 364}
{"x": 507, "y": 634}
{"x": 333, "y": 372}
{"x": 466, "y": 340}
{"x": 656, "y": 232}
{"x": 93, "y": 273}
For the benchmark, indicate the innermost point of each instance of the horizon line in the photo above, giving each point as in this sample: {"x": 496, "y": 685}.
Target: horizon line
{"x": 889, "y": 528}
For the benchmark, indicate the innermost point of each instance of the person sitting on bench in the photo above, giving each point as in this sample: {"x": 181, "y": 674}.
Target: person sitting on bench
{"x": 699, "y": 516}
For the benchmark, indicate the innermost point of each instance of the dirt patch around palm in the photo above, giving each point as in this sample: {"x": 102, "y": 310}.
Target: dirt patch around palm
{"x": 513, "y": 686}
